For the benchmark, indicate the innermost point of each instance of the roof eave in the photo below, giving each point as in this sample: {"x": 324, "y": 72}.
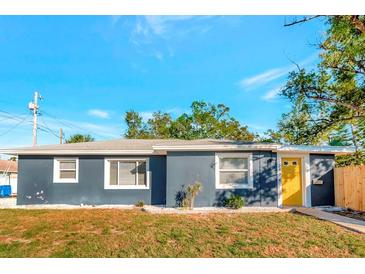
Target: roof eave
{"x": 336, "y": 150}
{"x": 76, "y": 152}
{"x": 214, "y": 147}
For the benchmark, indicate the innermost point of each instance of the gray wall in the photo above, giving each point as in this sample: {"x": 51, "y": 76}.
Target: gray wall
{"x": 184, "y": 168}
{"x": 35, "y": 183}
{"x": 322, "y": 169}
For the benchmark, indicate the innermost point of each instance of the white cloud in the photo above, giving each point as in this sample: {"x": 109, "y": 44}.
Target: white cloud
{"x": 271, "y": 94}
{"x": 155, "y": 35}
{"x": 265, "y": 77}
{"x": 160, "y": 24}
{"x": 98, "y": 113}
{"x": 273, "y": 74}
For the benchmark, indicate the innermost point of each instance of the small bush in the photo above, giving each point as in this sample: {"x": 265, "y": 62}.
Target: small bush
{"x": 139, "y": 204}
{"x": 235, "y": 201}
{"x": 189, "y": 194}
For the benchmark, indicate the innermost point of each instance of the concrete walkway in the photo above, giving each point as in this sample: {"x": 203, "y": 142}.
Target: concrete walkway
{"x": 349, "y": 223}
{"x": 208, "y": 210}
{"x": 11, "y": 203}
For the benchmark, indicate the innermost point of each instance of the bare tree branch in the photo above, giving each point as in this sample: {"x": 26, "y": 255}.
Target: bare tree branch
{"x": 304, "y": 19}
{"x": 335, "y": 101}
{"x": 346, "y": 69}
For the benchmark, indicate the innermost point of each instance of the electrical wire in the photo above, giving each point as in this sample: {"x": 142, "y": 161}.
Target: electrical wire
{"x": 46, "y": 128}
{"x": 43, "y": 126}
{"x": 70, "y": 125}
{"x": 14, "y": 127}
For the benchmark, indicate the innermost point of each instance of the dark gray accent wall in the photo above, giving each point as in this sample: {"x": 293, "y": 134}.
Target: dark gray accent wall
{"x": 184, "y": 168}
{"x": 35, "y": 183}
{"x": 322, "y": 169}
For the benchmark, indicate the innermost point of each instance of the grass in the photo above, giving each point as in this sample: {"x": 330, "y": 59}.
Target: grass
{"x": 133, "y": 233}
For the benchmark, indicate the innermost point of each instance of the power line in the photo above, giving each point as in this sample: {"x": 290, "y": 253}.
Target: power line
{"x": 14, "y": 127}
{"x": 9, "y": 115}
{"x": 47, "y": 128}
{"x": 70, "y": 125}
{"x": 23, "y": 119}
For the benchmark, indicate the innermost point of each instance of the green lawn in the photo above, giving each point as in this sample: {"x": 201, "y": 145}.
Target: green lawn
{"x": 133, "y": 233}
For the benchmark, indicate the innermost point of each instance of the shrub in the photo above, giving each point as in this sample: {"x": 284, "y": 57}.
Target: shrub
{"x": 235, "y": 201}
{"x": 139, "y": 204}
{"x": 189, "y": 195}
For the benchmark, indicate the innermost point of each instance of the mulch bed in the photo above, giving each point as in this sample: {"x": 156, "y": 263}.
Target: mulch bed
{"x": 358, "y": 215}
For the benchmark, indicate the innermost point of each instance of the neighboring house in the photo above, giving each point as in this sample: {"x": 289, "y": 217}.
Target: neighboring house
{"x": 125, "y": 171}
{"x": 9, "y": 174}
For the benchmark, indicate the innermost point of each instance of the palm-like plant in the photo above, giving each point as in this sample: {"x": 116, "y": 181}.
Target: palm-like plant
{"x": 191, "y": 192}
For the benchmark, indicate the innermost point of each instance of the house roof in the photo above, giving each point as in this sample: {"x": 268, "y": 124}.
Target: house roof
{"x": 8, "y": 166}
{"x": 160, "y": 146}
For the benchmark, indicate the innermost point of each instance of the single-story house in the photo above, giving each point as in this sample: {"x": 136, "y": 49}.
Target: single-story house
{"x": 9, "y": 174}
{"x": 125, "y": 171}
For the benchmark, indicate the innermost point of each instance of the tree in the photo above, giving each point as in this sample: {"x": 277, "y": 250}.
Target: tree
{"x": 135, "y": 126}
{"x": 80, "y": 138}
{"x": 205, "y": 121}
{"x": 332, "y": 97}
{"x": 272, "y": 136}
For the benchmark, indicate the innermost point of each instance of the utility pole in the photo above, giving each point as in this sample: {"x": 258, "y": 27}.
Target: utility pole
{"x": 61, "y": 136}
{"x": 33, "y": 106}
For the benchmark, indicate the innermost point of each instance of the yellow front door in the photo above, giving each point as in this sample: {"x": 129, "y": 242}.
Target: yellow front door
{"x": 291, "y": 178}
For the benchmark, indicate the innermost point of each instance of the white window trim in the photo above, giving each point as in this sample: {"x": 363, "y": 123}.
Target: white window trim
{"x": 306, "y": 174}
{"x": 107, "y": 173}
{"x": 234, "y": 155}
{"x": 56, "y": 170}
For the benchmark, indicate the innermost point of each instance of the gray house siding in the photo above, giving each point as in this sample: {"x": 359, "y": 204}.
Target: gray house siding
{"x": 184, "y": 168}
{"x": 35, "y": 183}
{"x": 322, "y": 169}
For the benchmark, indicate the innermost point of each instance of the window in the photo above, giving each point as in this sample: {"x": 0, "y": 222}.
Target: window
{"x": 233, "y": 170}
{"x": 65, "y": 170}
{"x": 126, "y": 173}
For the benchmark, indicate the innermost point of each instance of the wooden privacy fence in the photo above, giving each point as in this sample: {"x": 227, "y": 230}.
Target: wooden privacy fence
{"x": 350, "y": 187}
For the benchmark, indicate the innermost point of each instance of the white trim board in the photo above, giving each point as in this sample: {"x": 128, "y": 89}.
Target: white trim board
{"x": 306, "y": 181}
{"x": 233, "y": 155}
{"x": 56, "y": 171}
{"x": 161, "y": 149}
{"x": 259, "y": 147}
{"x": 74, "y": 152}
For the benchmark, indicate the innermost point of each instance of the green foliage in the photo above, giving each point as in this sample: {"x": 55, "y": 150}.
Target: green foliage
{"x": 328, "y": 103}
{"x": 235, "y": 201}
{"x": 190, "y": 193}
{"x": 135, "y": 126}
{"x": 205, "y": 121}
{"x": 272, "y": 136}
{"x": 340, "y": 137}
{"x": 139, "y": 203}
{"x": 79, "y": 138}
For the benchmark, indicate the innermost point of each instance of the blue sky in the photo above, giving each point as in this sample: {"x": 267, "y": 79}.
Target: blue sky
{"x": 91, "y": 69}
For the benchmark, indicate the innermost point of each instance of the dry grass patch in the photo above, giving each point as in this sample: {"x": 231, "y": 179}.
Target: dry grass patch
{"x": 133, "y": 233}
